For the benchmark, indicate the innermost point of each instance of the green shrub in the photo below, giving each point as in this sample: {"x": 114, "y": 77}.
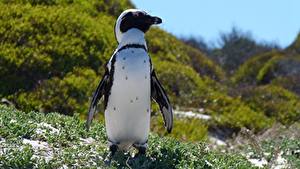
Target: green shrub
{"x": 247, "y": 72}
{"x": 43, "y": 42}
{"x": 111, "y": 7}
{"x": 232, "y": 113}
{"x": 274, "y": 101}
{"x": 262, "y": 69}
{"x": 279, "y": 66}
{"x": 181, "y": 82}
{"x": 187, "y": 89}
{"x": 68, "y": 95}
{"x": 239, "y": 115}
{"x": 185, "y": 129}
{"x": 166, "y": 47}
{"x": 267, "y": 71}
{"x": 288, "y": 82}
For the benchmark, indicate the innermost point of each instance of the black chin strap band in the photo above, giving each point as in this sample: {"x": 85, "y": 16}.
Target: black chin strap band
{"x": 132, "y": 46}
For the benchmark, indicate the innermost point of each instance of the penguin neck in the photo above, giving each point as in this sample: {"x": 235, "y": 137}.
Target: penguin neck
{"x": 133, "y": 36}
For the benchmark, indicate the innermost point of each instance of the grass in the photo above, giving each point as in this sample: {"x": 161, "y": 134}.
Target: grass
{"x": 36, "y": 140}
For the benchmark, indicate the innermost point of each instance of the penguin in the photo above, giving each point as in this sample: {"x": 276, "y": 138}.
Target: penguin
{"x": 128, "y": 85}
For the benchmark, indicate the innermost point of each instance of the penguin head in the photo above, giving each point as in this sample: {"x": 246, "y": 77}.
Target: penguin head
{"x": 134, "y": 18}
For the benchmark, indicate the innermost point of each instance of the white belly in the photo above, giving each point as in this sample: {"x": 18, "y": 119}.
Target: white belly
{"x": 127, "y": 116}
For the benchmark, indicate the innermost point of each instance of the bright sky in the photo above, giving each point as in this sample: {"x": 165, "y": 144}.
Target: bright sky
{"x": 267, "y": 20}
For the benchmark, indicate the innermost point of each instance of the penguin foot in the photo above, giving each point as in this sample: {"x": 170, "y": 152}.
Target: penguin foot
{"x": 142, "y": 152}
{"x": 113, "y": 149}
{"x": 138, "y": 159}
{"x": 107, "y": 160}
{"x": 141, "y": 149}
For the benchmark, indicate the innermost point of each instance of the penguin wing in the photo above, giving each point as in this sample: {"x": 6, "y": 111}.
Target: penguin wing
{"x": 100, "y": 91}
{"x": 159, "y": 95}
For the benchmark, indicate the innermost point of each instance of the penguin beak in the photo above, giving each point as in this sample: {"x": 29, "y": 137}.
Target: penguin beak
{"x": 156, "y": 20}
{"x": 153, "y": 20}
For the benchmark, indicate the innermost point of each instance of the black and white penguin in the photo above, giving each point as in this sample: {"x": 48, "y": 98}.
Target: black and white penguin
{"x": 128, "y": 85}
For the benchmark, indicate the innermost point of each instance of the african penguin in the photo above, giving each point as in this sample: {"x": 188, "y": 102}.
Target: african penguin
{"x": 128, "y": 85}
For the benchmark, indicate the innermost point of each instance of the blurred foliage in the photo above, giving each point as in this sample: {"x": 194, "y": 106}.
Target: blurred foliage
{"x": 69, "y": 94}
{"x": 279, "y": 66}
{"x": 276, "y": 102}
{"x": 233, "y": 48}
{"x": 232, "y": 113}
{"x": 111, "y": 7}
{"x": 167, "y": 48}
{"x": 196, "y": 92}
{"x": 44, "y": 42}
{"x": 181, "y": 82}
{"x": 288, "y": 82}
{"x": 248, "y": 71}
{"x": 198, "y": 43}
{"x": 262, "y": 69}
{"x": 185, "y": 129}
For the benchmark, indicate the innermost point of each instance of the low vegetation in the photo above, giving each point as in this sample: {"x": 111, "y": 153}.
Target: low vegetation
{"x": 35, "y": 140}
{"x": 275, "y": 102}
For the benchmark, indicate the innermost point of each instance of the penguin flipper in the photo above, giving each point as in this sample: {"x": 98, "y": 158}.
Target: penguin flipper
{"x": 100, "y": 91}
{"x": 159, "y": 95}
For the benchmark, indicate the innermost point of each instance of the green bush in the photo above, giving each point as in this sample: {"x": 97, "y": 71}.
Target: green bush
{"x": 262, "y": 69}
{"x": 165, "y": 47}
{"x": 185, "y": 129}
{"x": 111, "y": 7}
{"x": 43, "y": 42}
{"x": 248, "y": 71}
{"x": 68, "y": 95}
{"x": 276, "y": 102}
{"x": 181, "y": 82}
{"x": 228, "y": 112}
{"x": 187, "y": 89}
{"x": 288, "y": 82}
{"x": 279, "y": 66}
{"x": 266, "y": 73}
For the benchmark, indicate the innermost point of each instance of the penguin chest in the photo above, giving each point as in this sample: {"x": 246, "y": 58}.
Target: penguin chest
{"x": 127, "y": 114}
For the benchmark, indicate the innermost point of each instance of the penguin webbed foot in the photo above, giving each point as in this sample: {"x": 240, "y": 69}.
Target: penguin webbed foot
{"x": 141, "y": 150}
{"x": 112, "y": 151}
{"x": 138, "y": 158}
